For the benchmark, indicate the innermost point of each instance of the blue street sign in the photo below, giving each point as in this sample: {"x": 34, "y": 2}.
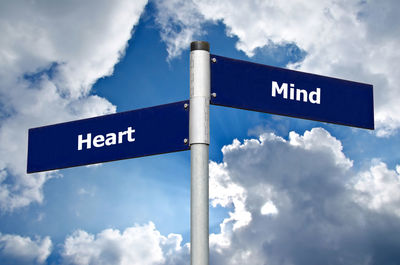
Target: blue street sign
{"x": 143, "y": 132}
{"x": 251, "y": 86}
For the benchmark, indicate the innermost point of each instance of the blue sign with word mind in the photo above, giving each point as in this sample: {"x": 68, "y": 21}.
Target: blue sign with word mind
{"x": 143, "y": 132}
{"x": 263, "y": 88}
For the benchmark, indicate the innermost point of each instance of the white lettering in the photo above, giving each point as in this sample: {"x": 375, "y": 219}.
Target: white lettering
{"x": 300, "y": 92}
{"x": 292, "y": 91}
{"x": 121, "y": 136}
{"x": 276, "y": 88}
{"x": 98, "y": 141}
{"x": 107, "y": 140}
{"x": 130, "y": 133}
{"x": 111, "y": 139}
{"x": 313, "y": 97}
{"x": 87, "y": 141}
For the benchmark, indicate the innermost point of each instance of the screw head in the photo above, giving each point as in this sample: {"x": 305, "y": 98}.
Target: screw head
{"x": 186, "y": 105}
{"x": 214, "y": 60}
{"x": 214, "y": 95}
{"x": 185, "y": 141}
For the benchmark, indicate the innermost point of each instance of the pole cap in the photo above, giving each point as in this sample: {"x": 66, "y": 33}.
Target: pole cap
{"x": 199, "y": 45}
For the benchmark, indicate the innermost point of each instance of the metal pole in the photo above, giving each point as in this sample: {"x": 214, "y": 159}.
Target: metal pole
{"x": 199, "y": 137}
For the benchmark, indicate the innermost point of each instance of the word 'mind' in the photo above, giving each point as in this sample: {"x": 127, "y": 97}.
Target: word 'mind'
{"x": 297, "y": 94}
{"x": 107, "y": 140}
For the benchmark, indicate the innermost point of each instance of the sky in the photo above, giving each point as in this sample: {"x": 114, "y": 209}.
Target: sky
{"x": 282, "y": 190}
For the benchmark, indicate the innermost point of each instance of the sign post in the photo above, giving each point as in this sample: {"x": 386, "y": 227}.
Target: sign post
{"x": 199, "y": 139}
{"x": 164, "y": 128}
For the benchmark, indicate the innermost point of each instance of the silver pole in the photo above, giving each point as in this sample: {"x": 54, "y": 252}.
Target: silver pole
{"x": 199, "y": 136}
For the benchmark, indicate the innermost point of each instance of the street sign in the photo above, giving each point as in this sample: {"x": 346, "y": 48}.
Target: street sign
{"x": 165, "y": 128}
{"x": 137, "y": 133}
{"x": 251, "y": 86}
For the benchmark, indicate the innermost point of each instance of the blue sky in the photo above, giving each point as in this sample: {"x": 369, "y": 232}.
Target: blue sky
{"x": 282, "y": 190}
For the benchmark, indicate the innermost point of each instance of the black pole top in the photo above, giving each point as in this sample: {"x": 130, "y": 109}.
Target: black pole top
{"x": 200, "y": 45}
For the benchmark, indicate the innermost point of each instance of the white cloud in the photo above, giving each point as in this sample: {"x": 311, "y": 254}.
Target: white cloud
{"x": 50, "y": 56}
{"x": 180, "y": 22}
{"x": 15, "y": 249}
{"x": 355, "y": 40}
{"x": 269, "y": 208}
{"x": 223, "y": 192}
{"x": 135, "y": 245}
{"x": 300, "y": 196}
{"x": 379, "y": 188}
{"x": 320, "y": 140}
{"x": 293, "y": 201}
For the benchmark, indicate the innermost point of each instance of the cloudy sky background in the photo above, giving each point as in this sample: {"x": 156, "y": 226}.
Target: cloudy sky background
{"x": 282, "y": 190}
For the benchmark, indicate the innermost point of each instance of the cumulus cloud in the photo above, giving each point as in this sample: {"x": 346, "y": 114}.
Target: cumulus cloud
{"x": 269, "y": 208}
{"x": 223, "y": 192}
{"x": 15, "y": 249}
{"x": 379, "y": 188}
{"x": 292, "y": 201}
{"x": 305, "y": 202}
{"x": 135, "y": 245}
{"x": 180, "y": 22}
{"x": 50, "y": 56}
{"x": 354, "y": 39}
